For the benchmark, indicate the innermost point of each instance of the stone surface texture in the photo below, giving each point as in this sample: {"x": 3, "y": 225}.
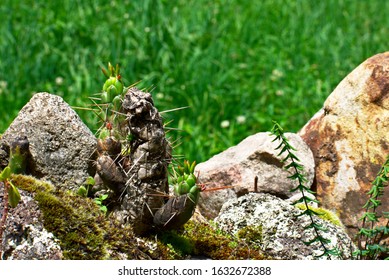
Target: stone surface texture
{"x": 25, "y": 237}
{"x": 61, "y": 145}
{"x": 282, "y": 230}
{"x": 237, "y": 167}
{"x": 349, "y": 138}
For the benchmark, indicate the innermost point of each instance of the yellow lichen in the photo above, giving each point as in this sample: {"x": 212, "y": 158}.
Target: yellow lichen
{"x": 324, "y": 214}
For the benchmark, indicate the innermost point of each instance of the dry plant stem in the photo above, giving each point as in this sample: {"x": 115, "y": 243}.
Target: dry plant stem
{"x": 4, "y": 216}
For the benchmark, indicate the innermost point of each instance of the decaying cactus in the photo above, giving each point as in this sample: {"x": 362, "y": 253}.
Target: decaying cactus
{"x": 180, "y": 207}
{"x": 150, "y": 154}
{"x": 133, "y": 153}
{"x": 133, "y": 159}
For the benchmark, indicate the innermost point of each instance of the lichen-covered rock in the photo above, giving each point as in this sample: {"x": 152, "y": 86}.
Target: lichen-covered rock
{"x": 61, "y": 145}
{"x": 25, "y": 237}
{"x": 255, "y": 156}
{"x": 349, "y": 138}
{"x": 54, "y": 224}
{"x": 281, "y": 230}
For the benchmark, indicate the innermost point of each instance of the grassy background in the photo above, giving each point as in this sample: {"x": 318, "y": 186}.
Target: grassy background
{"x": 237, "y": 64}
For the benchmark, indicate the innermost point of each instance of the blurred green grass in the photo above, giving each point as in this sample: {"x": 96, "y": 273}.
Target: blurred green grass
{"x": 237, "y": 64}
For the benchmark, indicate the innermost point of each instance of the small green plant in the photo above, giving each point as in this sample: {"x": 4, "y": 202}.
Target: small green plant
{"x": 370, "y": 236}
{"x": 100, "y": 202}
{"x": 11, "y": 196}
{"x": 84, "y": 190}
{"x": 297, "y": 169}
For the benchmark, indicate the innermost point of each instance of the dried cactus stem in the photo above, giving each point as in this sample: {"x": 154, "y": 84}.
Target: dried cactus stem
{"x": 150, "y": 154}
{"x": 175, "y": 213}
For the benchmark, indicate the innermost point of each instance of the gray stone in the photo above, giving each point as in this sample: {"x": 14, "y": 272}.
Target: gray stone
{"x": 61, "y": 145}
{"x": 282, "y": 230}
{"x": 25, "y": 237}
{"x": 254, "y": 157}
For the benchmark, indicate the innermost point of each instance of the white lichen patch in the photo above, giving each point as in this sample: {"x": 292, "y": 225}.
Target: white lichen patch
{"x": 283, "y": 233}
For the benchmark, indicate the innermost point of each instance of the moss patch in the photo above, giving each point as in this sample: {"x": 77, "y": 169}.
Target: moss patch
{"x": 207, "y": 241}
{"x": 252, "y": 234}
{"x": 84, "y": 232}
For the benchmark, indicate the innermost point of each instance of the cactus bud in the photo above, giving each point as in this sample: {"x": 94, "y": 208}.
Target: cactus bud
{"x": 13, "y": 195}
{"x": 194, "y": 193}
{"x": 5, "y": 174}
{"x": 191, "y": 180}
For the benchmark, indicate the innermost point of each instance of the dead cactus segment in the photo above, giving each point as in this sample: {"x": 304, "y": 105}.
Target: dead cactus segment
{"x": 150, "y": 154}
{"x": 180, "y": 208}
{"x": 175, "y": 213}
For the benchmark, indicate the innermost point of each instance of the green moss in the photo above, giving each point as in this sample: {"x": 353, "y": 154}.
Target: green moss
{"x": 179, "y": 245}
{"x": 324, "y": 214}
{"x": 211, "y": 242}
{"x": 83, "y": 231}
{"x": 75, "y": 222}
{"x": 30, "y": 184}
{"x": 252, "y": 234}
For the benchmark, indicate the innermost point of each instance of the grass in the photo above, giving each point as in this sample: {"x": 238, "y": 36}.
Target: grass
{"x": 237, "y": 64}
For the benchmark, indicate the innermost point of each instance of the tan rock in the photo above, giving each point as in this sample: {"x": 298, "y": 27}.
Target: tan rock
{"x": 237, "y": 167}
{"x": 349, "y": 138}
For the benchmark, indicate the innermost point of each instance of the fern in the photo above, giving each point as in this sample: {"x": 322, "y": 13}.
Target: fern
{"x": 370, "y": 236}
{"x": 286, "y": 148}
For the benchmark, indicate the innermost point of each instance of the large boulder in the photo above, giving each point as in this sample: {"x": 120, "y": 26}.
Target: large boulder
{"x": 349, "y": 138}
{"x": 238, "y": 166}
{"x": 280, "y": 231}
{"x": 61, "y": 145}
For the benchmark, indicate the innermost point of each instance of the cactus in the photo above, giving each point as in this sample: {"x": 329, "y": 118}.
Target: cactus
{"x": 133, "y": 158}
{"x": 180, "y": 208}
{"x": 133, "y": 153}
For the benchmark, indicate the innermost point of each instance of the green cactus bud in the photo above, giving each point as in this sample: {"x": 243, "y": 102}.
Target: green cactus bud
{"x": 104, "y": 97}
{"x": 191, "y": 180}
{"x": 114, "y": 82}
{"x": 5, "y": 174}
{"x": 13, "y": 195}
{"x": 104, "y": 133}
{"x": 185, "y": 188}
{"x": 186, "y": 167}
{"x": 194, "y": 194}
{"x": 192, "y": 167}
{"x": 179, "y": 179}
{"x": 180, "y": 170}
{"x": 117, "y": 102}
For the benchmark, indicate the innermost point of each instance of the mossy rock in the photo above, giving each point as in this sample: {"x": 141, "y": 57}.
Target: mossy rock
{"x": 86, "y": 233}
{"x": 83, "y": 230}
{"x": 206, "y": 241}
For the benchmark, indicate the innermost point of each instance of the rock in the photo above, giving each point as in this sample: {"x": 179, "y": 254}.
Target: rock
{"x": 349, "y": 138}
{"x": 24, "y": 237}
{"x": 281, "y": 230}
{"x": 61, "y": 145}
{"x": 239, "y": 165}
